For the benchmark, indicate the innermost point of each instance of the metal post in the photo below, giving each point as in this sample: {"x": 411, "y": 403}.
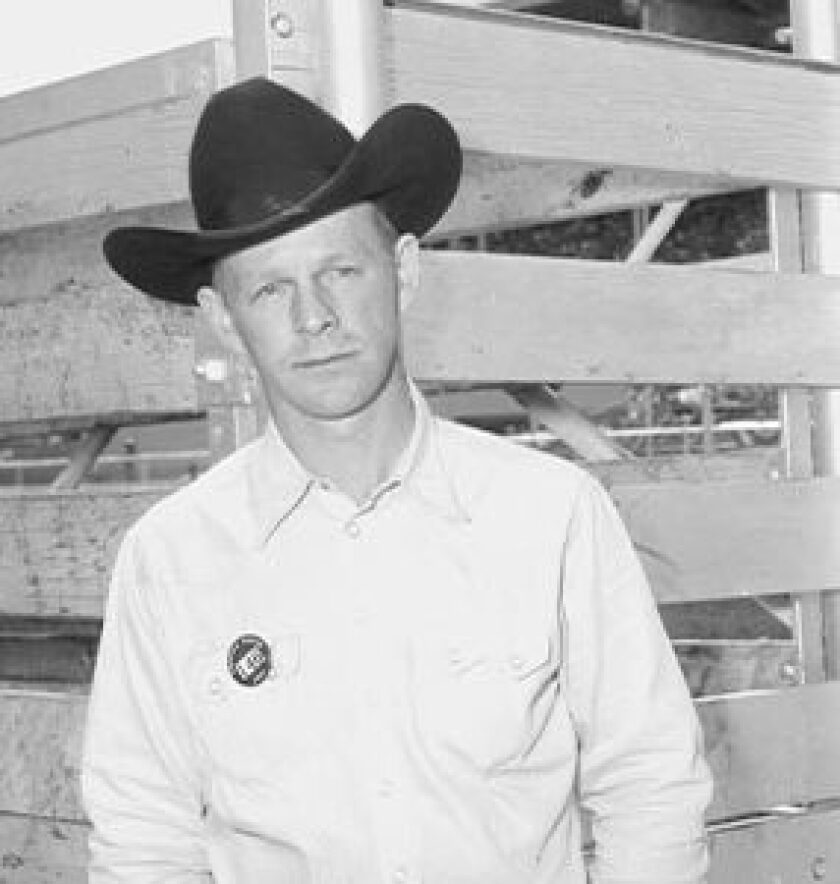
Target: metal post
{"x": 816, "y": 34}
{"x": 353, "y": 58}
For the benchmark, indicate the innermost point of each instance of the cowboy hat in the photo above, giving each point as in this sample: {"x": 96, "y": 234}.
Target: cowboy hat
{"x": 265, "y": 161}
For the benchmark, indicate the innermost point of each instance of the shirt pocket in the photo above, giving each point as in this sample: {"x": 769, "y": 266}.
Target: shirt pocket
{"x": 483, "y": 700}
{"x": 245, "y": 728}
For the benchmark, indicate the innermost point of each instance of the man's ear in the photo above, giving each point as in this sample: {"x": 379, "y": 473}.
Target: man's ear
{"x": 218, "y": 318}
{"x": 407, "y": 255}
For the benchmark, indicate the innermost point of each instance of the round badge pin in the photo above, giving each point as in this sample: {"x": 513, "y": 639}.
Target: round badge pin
{"x": 249, "y": 660}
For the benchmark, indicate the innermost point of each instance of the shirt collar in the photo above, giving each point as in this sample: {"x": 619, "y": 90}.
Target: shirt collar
{"x": 428, "y": 475}
{"x": 278, "y": 482}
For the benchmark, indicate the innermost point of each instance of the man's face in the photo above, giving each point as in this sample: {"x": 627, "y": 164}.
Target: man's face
{"x": 318, "y": 311}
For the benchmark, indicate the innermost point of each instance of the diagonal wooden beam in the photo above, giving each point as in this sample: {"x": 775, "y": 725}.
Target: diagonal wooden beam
{"x": 556, "y": 413}
{"x": 656, "y": 231}
{"x": 84, "y": 457}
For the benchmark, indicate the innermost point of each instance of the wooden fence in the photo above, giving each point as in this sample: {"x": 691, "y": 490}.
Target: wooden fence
{"x": 558, "y": 119}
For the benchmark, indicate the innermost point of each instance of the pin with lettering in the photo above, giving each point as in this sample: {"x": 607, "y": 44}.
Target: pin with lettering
{"x": 249, "y": 660}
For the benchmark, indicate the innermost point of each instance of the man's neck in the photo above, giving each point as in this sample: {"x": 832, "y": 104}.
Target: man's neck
{"x": 356, "y": 453}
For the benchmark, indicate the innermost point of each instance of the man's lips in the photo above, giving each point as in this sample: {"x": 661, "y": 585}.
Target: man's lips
{"x": 325, "y": 360}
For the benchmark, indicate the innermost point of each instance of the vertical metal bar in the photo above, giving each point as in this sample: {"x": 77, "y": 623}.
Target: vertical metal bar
{"x": 251, "y": 35}
{"x": 353, "y": 57}
{"x": 816, "y": 34}
{"x": 783, "y": 214}
{"x": 648, "y": 395}
{"x": 279, "y": 39}
{"x": 707, "y": 416}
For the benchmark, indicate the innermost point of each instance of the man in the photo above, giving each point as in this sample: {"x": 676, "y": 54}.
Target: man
{"x": 371, "y": 646}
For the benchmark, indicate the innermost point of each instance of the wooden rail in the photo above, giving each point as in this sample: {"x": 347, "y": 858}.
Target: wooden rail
{"x": 473, "y": 321}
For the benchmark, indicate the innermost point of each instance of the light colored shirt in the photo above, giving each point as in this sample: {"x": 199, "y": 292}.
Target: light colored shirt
{"x": 427, "y": 688}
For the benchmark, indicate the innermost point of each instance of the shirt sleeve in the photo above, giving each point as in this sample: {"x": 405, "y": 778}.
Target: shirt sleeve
{"x": 643, "y": 779}
{"x": 140, "y": 784}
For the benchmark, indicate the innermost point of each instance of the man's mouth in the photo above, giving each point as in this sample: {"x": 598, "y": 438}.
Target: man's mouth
{"x": 325, "y": 360}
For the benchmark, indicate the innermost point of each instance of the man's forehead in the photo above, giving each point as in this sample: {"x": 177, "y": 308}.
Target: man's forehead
{"x": 345, "y": 232}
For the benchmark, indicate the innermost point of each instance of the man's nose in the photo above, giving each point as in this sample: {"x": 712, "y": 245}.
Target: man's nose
{"x": 314, "y": 312}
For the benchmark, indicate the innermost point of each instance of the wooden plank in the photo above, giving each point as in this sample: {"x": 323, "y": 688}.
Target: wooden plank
{"x": 42, "y": 851}
{"x": 506, "y": 318}
{"x": 90, "y": 351}
{"x": 779, "y": 851}
{"x": 762, "y": 261}
{"x": 56, "y": 550}
{"x": 184, "y": 72}
{"x": 720, "y": 540}
{"x": 66, "y": 319}
{"x": 79, "y": 341}
{"x": 131, "y": 159}
{"x": 697, "y": 541}
{"x": 111, "y": 161}
{"x": 502, "y": 192}
{"x": 41, "y": 749}
{"x": 650, "y": 102}
{"x": 41, "y": 262}
{"x": 770, "y": 749}
{"x": 474, "y": 321}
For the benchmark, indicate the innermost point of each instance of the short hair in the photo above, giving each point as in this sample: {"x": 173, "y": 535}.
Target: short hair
{"x": 387, "y": 232}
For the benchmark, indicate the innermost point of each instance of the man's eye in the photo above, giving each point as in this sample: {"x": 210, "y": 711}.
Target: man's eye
{"x": 268, "y": 290}
{"x": 341, "y": 271}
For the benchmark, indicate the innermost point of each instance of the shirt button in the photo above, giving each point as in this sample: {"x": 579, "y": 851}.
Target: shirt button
{"x": 400, "y": 875}
{"x": 386, "y": 788}
{"x": 352, "y": 528}
{"x": 215, "y": 688}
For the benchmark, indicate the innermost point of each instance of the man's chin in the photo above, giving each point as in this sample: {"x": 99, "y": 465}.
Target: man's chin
{"x": 335, "y": 405}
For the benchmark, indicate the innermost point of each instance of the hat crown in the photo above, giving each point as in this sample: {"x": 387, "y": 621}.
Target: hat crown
{"x": 258, "y": 150}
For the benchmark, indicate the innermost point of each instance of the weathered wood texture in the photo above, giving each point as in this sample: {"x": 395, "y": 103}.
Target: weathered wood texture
{"x": 697, "y": 541}
{"x": 473, "y": 321}
{"x": 720, "y": 540}
{"x": 105, "y": 141}
{"x": 118, "y": 139}
{"x": 56, "y": 551}
{"x": 41, "y": 752}
{"x": 638, "y": 107}
{"x": 40, "y": 263}
{"x": 79, "y": 341}
{"x": 91, "y": 351}
{"x": 502, "y": 192}
{"x": 773, "y": 749}
{"x": 42, "y": 851}
{"x": 482, "y": 317}
{"x": 779, "y": 851}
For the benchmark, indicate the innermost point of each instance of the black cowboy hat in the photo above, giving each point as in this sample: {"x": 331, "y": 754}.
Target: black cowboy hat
{"x": 265, "y": 161}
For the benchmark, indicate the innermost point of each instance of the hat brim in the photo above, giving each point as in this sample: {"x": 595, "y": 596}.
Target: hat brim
{"x": 408, "y": 163}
